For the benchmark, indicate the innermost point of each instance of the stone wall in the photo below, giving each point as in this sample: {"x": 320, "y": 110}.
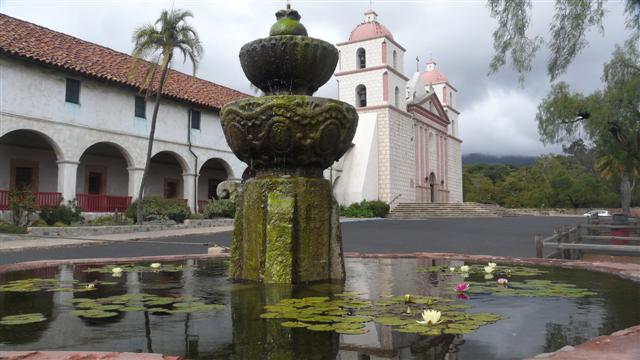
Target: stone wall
{"x": 80, "y": 231}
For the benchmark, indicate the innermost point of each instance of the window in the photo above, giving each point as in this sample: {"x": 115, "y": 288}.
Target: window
{"x": 361, "y": 96}
{"x": 72, "y": 94}
{"x": 95, "y": 183}
{"x": 395, "y": 59}
{"x": 170, "y": 188}
{"x": 141, "y": 107}
{"x": 451, "y": 98}
{"x": 362, "y": 58}
{"x": 397, "y": 97}
{"x": 24, "y": 175}
{"x": 195, "y": 119}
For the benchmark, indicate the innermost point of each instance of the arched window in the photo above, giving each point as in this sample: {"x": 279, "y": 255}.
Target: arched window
{"x": 362, "y": 58}
{"x": 395, "y": 59}
{"x": 451, "y": 98}
{"x": 361, "y": 96}
{"x": 397, "y": 97}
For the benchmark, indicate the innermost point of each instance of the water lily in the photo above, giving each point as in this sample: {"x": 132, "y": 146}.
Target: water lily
{"x": 407, "y": 298}
{"x": 462, "y": 287}
{"x": 503, "y": 281}
{"x": 488, "y": 276}
{"x": 155, "y": 266}
{"x": 430, "y": 317}
{"x": 464, "y": 268}
{"x": 489, "y": 269}
{"x": 492, "y": 264}
{"x": 408, "y": 310}
{"x": 91, "y": 286}
{"x": 452, "y": 269}
{"x": 116, "y": 270}
{"x": 462, "y": 296}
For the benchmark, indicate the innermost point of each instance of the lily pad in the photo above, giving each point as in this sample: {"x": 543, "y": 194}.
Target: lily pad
{"x": 94, "y": 314}
{"x": 294, "y": 324}
{"x": 22, "y": 319}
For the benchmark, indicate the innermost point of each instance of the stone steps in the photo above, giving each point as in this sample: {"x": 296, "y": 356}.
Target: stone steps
{"x": 439, "y": 210}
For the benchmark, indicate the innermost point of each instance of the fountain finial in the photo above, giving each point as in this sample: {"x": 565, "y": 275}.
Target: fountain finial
{"x": 288, "y": 23}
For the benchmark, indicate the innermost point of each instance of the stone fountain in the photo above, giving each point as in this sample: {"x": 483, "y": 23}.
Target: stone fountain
{"x": 287, "y": 226}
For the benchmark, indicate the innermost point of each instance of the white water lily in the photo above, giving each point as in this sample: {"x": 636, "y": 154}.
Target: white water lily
{"x": 452, "y": 269}
{"x": 489, "y": 269}
{"x": 116, "y": 270}
{"x": 493, "y": 265}
{"x": 430, "y": 317}
{"x": 91, "y": 286}
{"x": 155, "y": 266}
{"x": 464, "y": 268}
{"x": 488, "y": 276}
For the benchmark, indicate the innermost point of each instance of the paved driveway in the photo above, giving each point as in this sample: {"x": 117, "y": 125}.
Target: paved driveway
{"x": 511, "y": 236}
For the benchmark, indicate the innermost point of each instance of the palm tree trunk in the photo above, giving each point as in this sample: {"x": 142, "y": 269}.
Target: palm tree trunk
{"x": 154, "y": 118}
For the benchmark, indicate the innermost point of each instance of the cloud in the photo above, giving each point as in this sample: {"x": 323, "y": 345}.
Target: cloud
{"x": 456, "y": 33}
{"x": 501, "y": 122}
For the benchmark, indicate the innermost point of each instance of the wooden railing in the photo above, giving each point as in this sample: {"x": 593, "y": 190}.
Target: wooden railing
{"x": 103, "y": 203}
{"x": 572, "y": 242}
{"x": 42, "y": 199}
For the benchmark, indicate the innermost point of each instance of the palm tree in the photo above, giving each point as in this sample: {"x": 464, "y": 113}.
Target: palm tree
{"x": 628, "y": 172}
{"x": 156, "y": 43}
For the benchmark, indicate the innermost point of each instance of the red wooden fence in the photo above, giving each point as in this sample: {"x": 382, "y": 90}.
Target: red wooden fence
{"x": 42, "y": 199}
{"x": 103, "y": 203}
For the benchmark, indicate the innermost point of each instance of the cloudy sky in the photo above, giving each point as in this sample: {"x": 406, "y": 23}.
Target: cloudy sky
{"x": 497, "y": 114}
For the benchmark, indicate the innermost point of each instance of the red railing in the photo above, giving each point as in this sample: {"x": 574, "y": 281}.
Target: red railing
{"x": 42, "y": 199}
{"x": 103, "y": 203}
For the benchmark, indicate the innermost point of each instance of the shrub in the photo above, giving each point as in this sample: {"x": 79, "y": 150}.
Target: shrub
{"x": 39, "y": 223}
{"x": 379, "y": 208}
{"x": 7, "y": 228}
{"x": 59, "y": 224}
{"x": 366, "y": 208}
{"x": 224, "y": 208}
{"x": 159, "y": 208}
{"x": 111, "y": 220}
{"x": 22, "y": 204}
{"x": 66, "y": 214}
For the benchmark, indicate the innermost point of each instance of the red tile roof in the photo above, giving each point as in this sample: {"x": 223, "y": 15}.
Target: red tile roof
{"x": 30, "y": 41}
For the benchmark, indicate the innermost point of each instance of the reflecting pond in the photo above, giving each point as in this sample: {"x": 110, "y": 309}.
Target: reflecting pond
{"x": 191, "y": 309}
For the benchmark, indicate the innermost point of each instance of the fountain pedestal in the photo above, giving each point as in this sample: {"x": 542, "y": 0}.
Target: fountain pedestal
{"x": 287, "y": 226}
{"x": 287, "y": 231}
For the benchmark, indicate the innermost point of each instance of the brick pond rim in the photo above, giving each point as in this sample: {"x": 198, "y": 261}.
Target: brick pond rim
{"x": 623, "y": 343}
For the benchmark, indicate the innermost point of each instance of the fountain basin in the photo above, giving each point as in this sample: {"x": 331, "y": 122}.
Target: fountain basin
{"x": 288, "y": 64}
{"x": 293, "y": 134}
{"x": 531, "y": 325}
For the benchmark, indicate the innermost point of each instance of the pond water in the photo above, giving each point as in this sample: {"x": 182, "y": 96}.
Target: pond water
{"x": 209, "y": 317}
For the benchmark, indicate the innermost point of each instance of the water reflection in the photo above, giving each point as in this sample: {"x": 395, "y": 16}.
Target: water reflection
{"x": 533, "y": 325}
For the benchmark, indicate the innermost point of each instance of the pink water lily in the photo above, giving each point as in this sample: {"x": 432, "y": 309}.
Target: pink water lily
{"x": 503, "y": 281}
{"x": 462, "y": 287}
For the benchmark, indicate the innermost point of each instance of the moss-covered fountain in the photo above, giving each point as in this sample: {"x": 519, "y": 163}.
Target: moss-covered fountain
{"x": 287, "y": 229}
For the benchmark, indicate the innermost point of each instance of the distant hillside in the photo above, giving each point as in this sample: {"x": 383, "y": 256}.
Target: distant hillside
{"x": 477, "y": 158}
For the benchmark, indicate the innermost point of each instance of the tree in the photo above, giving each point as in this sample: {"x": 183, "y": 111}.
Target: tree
{"x": 567, "y": 30}
{"x": 608, "y": 118}
{"x": 157, "y": 43}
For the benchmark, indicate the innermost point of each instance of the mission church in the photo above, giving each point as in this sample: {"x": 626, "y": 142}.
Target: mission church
{"x": 407, "y": 147}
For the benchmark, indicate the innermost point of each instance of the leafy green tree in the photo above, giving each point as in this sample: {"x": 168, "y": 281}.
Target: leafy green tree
{"x": 567, "y": 32}
{"x": 156, "y": 43}
{"x": 608, "y": 118}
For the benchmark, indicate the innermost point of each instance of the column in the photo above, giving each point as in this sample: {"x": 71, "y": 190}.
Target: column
{"x": 189, "y": 189}
{"x": 67, "y": 172}
{"x": 135, "y": 178}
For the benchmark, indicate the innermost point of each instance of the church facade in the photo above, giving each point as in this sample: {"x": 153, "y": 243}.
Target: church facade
{"x": 407, "y": 147}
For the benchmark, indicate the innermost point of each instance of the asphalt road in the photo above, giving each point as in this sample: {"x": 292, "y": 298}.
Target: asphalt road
{"x": 511, "y": 236}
